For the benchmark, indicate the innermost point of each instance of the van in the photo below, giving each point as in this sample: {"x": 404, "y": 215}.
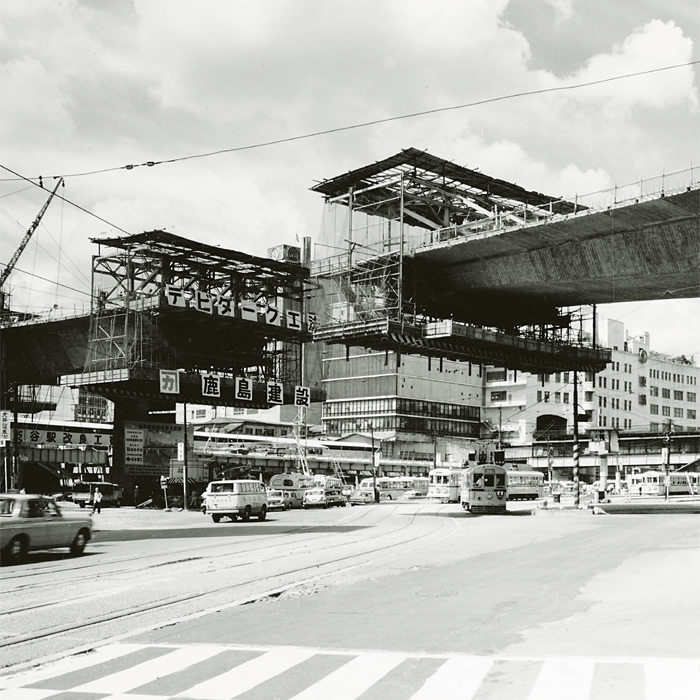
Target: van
{"x": 112, "y": 494}
{"x": 236, "y": 498}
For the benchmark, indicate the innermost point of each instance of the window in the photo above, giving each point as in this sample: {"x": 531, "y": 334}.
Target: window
{"x": 498, "y": 396}
{"x": 665, "y": 410}
{"x": 678, "y": 413}
{"x": 588, "y": 396}
{"x": 496, "y": 375}
{"x": 642, "y": 399}
{"x": 665, "y": 393}
{"x": 690, "y": 414}
{"x": 677, "y": 395}
{"x": 642, "y": 381}
{"x": 653, "y": 391}
{"x": 566, "y": 397}
{"x": 654, "y": 409}
{"x": 690, "y": 396}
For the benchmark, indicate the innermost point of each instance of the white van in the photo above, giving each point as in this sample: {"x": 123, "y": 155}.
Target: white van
{"x": 236, "y": 498}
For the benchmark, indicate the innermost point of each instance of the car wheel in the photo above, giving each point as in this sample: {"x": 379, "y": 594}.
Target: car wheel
{"x": 118, "y": 504}
{"x": 288, "y": 506}
{"x": 246, "y": 513}
{"x": 263, "y": 512}
{"x": 78, "y": 545}
{"x": 16, "y": 551}
{"x": 82, "y": 504}
{"x": 216, "y": 518}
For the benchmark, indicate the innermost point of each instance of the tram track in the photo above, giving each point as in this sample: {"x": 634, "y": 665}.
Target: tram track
{"x": 282, "y": 579}
{"x": 77, "y": 565}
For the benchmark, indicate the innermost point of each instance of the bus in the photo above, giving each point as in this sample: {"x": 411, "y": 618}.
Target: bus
{"x": 483, "y": 489}
{"x": 391, "y": 488}
{"x": 420, "y": 485}
{"x": 295, "y": 484}
{"x": 524, "y": 485}
{"x": 444, "y": 484}
{"x": 112, "y": 494}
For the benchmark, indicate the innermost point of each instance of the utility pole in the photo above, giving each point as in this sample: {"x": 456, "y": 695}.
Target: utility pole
{"x": 667, "y": 459}
{"x": 577, "y": 493}
{"x": 184, "y": 457}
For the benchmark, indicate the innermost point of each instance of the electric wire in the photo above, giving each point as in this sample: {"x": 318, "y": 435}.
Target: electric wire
{"x": 375, "y": 122}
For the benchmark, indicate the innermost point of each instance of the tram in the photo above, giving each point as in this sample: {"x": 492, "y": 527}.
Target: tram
{"x": 653, "y": 483}
{"x": 484, "y": 489}
{"x": 524, "y": 485}
{"x": 444, "y": 484}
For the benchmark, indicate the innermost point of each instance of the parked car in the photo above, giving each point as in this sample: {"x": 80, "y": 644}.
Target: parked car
{"x": 30, "y": 522}
{"x": 323, "y": 498}
{"x": 278, "y": 500}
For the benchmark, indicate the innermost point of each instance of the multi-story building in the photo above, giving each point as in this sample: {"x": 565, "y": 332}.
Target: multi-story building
{"x": 639, "y": 391}
{"x": 640, "y": 398}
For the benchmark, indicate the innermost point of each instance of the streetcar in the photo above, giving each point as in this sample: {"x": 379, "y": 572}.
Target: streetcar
{"x": 524, "y": 485}
{"x": 444, "y": 484}
{"x": 653, "y": 483}
{"x": 484, "y": 489}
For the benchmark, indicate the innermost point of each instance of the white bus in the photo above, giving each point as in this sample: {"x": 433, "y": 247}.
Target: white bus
{"x": 296, "y": 484}
{"x": 83, "y": 491}
{"x": 391, "y": 488}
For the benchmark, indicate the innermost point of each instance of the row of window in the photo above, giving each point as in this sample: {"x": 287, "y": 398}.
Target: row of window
{"x": 410, "y": 407}
{"x": 673, "y": 377}
{"x": 690, "y": 396}
{"x": 414, "y": 424}
{"x": 690, "y": 413}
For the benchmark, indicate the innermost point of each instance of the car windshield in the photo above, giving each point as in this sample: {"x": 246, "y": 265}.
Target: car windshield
{"x": 315, "y": 492}
{"x": 276, "y": 494}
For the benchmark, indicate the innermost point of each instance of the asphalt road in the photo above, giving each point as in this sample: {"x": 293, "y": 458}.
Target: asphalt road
{"x": 416, "y": 598}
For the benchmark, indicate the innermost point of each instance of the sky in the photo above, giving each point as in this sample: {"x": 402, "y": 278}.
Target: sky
{"x": 250, "y": 101}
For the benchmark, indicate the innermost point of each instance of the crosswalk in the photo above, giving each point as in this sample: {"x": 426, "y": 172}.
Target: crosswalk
{"x": 223, "y": 672}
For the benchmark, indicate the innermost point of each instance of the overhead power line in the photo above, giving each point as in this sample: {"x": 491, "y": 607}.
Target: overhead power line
{"x": 374, "y": 122}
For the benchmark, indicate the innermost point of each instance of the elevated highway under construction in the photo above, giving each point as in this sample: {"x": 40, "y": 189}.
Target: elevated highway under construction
{"x": 461, "y": 265}
{"x": 444, "y": 261}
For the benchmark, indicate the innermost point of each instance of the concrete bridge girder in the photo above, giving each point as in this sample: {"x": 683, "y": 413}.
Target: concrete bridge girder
{"x": 641, "y": 252}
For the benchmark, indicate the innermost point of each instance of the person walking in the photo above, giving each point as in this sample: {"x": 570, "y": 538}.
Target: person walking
{"x": 97, "y": 501}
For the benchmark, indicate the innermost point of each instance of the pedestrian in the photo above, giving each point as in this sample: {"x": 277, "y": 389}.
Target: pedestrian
{"x": 97, "y": 501}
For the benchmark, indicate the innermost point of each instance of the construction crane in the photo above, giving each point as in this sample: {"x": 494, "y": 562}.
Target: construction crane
{"x": 11, "y": 265}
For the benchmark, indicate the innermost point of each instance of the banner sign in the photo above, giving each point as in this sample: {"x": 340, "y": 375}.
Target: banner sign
{"x": 260, "y": 310}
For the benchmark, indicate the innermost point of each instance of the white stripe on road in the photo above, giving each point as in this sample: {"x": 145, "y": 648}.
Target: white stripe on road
{"x": 246, "y": 676}
{"x": 354, "y": 678}
{"x": 457, "y": 678}
{"x": 564, "y": 678}
{"x": 672, "y": 678}
{"x": 67, "y": 665}
{"x": 123, "y": 681}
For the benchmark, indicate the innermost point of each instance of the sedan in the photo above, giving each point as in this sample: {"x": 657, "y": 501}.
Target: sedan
{"x": 31, "y": 522}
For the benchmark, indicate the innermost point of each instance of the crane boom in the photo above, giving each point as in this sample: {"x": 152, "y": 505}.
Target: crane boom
{"x": 10, "y": 266}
